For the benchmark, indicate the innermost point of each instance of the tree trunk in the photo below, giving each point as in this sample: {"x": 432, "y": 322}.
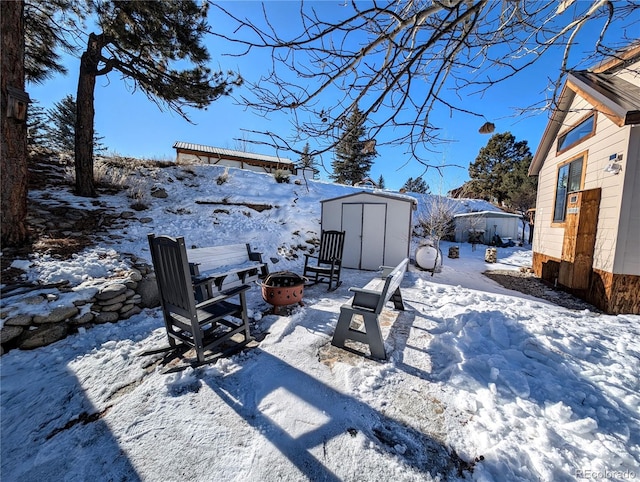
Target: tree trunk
{"x": 13, "y": 161}
{"x": 85, "y": 116}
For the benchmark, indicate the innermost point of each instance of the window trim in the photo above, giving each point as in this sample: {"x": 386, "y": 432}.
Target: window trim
{"x": 593, "y": 113}
{"x": 584, "y": 155}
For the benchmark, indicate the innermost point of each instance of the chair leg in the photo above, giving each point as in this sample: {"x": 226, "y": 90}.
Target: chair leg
{"x": 396, "y": 297}
{"x": 245, "y": 318}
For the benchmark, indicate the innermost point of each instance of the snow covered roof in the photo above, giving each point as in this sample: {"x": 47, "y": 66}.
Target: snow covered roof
{"x": 488, "y": 214}
{"x": 228, "y": 153}
{"x": 387, "y": 194}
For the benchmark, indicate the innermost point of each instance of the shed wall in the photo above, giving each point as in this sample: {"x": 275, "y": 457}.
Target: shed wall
{"x": 372, "y": 239}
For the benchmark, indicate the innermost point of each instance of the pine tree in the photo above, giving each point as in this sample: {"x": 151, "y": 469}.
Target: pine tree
{"x": 61, "y": 127}
{"x": 381, "y": 182}
{"x": 489, "y": 172}
{"x": 354, "y": 154}
{"x": 158, "y": 46}
{"x": 36, "y": 124}
{"x": 307, "y": 161}
{"x": 416, "y": 185}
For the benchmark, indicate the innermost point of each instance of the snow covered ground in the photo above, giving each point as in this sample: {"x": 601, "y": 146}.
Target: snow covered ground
{"x": 482, "y": 383}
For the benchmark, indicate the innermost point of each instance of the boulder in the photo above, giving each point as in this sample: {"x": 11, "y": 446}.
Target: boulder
{"x": 8, "y": 333}
{"x": 133, "y": 311}
{"x": 148, "y": 291}
{"x": 113, "y": 301}
{"x": 111, "y": 291}
{"x": 61, "y": 313}
{"x": 19, "y": 320}
{"x": 106, "y": 317}
{"x": 43, "y": 336}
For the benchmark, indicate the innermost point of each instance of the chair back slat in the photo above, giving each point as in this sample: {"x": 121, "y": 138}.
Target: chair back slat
{"x": 331, "y": 246}
{"x": 170, "y": 262}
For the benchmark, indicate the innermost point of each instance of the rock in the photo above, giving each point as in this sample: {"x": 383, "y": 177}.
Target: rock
{"x": 8, "y": 333}
{"x": 58, "y": 314}
{"x": 133, "y": 311}
{"x": 159, "y": 193}
{"x": 148, "y": 291}
{"x": 135, "y": 275}
{"x": 132, "y": 285}
{"x": 106, "y": 317}
{"x": 146, "y": 220}
{"x": 19, "y": 320}
{"x": 126, "y": 307}
{"x": 82, "y": 319}
{"x": 34, "y": 300}
{"x": 109, "y": 308}
{"x": 127, "y": 214}
{"x": 111, "y": 291}
{"x": 43, "y": 336}
{"x": 112, "y": 301}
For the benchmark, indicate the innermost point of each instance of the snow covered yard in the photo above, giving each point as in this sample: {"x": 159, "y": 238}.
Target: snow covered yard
{"x": 482, "y": 383}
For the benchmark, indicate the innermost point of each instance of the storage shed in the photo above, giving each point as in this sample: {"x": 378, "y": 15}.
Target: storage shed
{"x": 484, "y": 225}
{"x": 377, "y": 227}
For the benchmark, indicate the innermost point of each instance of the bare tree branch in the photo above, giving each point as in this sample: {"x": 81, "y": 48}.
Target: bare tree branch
{"x": 400, "y": 61}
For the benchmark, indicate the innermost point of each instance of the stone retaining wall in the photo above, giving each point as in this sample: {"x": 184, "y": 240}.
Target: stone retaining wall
{"x": 119, "y": 298}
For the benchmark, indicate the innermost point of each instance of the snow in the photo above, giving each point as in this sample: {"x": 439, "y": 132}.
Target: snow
{"x": 518, "y": 388}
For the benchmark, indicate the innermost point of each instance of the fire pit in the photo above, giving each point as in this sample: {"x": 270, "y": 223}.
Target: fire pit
{"x": 283, "y": 288}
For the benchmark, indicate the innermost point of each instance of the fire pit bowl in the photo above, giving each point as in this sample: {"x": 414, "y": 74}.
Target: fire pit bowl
{"x": 283, "y": 288}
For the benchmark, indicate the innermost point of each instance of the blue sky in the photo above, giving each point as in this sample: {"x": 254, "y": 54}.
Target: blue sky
{"x": 134, "y": 126}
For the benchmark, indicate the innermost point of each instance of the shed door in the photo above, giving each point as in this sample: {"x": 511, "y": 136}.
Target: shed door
{"x": 364, "y": 226}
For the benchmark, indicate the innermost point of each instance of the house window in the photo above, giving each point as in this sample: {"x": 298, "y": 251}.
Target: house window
{"x": 569, "y": 180}
{"x": 585, "y": 129}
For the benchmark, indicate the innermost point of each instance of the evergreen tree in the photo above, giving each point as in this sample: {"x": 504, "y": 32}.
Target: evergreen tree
{"x": 48, "y": 25}
{"x": 158, "y": 46}
{"x": 61, "y": 127}
{"x": 416, "y": 185}
{"x": 381, "y": 182}
{"x": 36, "y": 124}
{"x": 354, "y": 154}
{"x": 307, "y": 161}
{"x": 521, "y": 187}
{"x": 490, "y": 171}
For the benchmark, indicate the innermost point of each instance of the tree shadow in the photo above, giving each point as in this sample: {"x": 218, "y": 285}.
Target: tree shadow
{"x": 314, "y": 446}
{"x": 50, "y": 428}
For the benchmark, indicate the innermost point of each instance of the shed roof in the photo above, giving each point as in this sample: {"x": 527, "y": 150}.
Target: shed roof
{"x": 487, "y": 214}
{"x": 228, "y": 153}
{"x": 384, "y": 194}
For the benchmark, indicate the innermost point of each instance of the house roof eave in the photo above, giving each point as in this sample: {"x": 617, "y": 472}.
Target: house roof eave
{"x": 551, "y": 131}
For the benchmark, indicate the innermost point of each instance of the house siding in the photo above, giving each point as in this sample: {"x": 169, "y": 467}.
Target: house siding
{"x": 609, "y": 139}
{"x": 628, "y": 258}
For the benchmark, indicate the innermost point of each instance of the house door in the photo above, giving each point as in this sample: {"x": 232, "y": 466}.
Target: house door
{"x": 579, "y": 239}
{"x": 364, "y": 225}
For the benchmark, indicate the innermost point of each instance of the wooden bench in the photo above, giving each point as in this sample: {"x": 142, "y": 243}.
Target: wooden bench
{"x": 221, "y": 268}
{"x": 369, "y": 302}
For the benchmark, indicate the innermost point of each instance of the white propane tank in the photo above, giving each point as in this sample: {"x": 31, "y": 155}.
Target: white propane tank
{"x": 429, "y": 257}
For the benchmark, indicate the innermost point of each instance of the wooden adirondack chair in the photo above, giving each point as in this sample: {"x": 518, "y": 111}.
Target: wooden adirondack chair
{"x": 202, "y": 325}
{"x": 328, "y": 261}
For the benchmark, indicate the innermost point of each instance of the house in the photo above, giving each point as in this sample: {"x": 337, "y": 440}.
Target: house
{"x": 482, "y": 226}
{"x": 367, "y": 182}
{"x": 377, "y": 227}
{"x": 587, "y": 226}
{"x": 187, "y": 152}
